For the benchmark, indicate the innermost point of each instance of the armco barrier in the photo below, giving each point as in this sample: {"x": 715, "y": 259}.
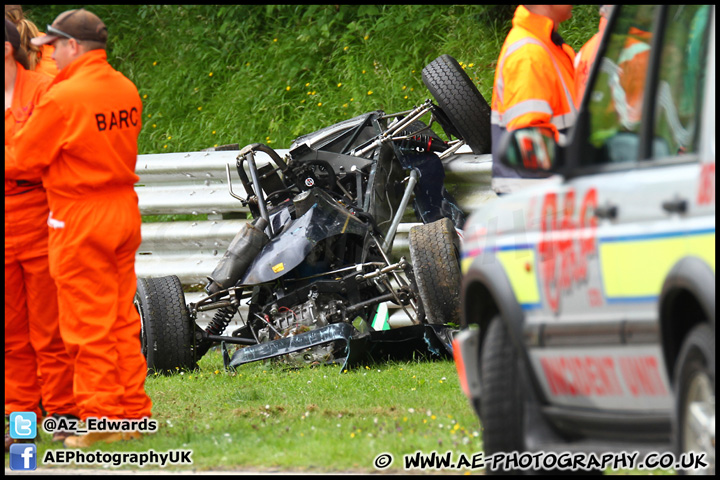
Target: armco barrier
{"x": 196, "y": 183}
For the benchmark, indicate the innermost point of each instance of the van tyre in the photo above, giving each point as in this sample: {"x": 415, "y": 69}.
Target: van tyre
{"x": 501, "y": 407}
{"x": 457, "y": 96}
{"x": 167, "y": 337}
{"x": 434, "y": 252}
{"x": 695, "y": 392}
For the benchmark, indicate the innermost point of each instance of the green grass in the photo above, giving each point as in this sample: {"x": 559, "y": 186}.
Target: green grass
{"x": 265, "y": 416}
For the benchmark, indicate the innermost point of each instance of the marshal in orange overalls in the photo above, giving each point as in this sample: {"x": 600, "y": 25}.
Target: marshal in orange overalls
{"x": 90, "y": 120}
{"x": 32, "y": 335}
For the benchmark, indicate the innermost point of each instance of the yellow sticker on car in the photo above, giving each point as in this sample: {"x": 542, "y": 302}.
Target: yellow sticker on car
{"x": 278, "y": 268}
{"x": 521, "y": 270}
{"x": 634, "y": 267}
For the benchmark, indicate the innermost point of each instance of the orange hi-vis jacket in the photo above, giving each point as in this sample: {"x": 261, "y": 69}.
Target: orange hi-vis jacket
{"x": 534, "y": 83}
{"x": 87, "y": 148}
{"x": 585, "y": 59}
{"x": 633, "y": 66}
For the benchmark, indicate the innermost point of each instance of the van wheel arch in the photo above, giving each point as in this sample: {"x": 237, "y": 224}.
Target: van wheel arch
{"x": 478, "y": 306}
{"x": 485, "y": 293}
{"x": 687, "y": 299}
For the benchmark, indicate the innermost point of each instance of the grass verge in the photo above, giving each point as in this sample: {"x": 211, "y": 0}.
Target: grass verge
{"x": 268, "y": 417}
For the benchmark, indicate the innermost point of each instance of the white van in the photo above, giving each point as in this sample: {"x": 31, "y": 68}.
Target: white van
{"x": 588, "y": 302}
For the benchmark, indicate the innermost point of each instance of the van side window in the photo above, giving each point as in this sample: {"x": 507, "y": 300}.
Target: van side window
{"x": 616, "y": 100}
{"x": 681, "y": 80}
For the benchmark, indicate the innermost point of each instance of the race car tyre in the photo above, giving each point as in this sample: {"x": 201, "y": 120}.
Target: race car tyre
{"x": 694, "y": 414}
{"x": 167, "y": 336}
{"x": 501, "y": 404}
{"x": 434, "y": 253}
{"x": 459, "y": 99}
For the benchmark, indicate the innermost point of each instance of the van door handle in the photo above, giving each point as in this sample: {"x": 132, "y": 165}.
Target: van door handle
{"x": 608, "y": 211}
{"x": 676, "y": 205}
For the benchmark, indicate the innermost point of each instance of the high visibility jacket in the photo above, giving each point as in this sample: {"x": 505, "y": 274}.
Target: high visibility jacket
{"x": 534, "y": 85}
{"x": 633, "y": 64}
{"x": 585, "y": 59}
{"x": 82, "y": 137}
{"x": 29, "y": 88}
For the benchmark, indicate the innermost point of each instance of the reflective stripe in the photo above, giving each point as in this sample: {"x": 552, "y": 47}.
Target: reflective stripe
{"x": 564, "y": 121}
{"x": 561, "y": 121}
{"x": 630, "y": 52}
{"x": 532, "y": 106}
{"x": 680, "y": 134}
{"x": 528, "y": 106}
{"x": 511, "y": 48}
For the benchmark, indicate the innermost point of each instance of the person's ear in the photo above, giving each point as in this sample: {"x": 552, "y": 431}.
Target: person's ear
{"x": 74, "y": 46}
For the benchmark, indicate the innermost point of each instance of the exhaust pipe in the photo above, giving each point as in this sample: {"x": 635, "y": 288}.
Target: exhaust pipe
{"x": 246, "y": 245}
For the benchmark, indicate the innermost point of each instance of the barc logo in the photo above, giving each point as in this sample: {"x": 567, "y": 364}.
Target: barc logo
{"x": 23, "y": 456}
{"x": 23, "y": 425}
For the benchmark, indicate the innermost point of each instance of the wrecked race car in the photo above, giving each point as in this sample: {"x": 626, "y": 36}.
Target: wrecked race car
{"x": 315, "y": 265}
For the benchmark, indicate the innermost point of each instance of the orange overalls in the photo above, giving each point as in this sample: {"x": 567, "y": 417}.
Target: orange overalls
{"x": 32, "y": 335}
{"x": 534, "y": 86}
{"x": 90, "y": 121}
{"x": 47, "y": 64}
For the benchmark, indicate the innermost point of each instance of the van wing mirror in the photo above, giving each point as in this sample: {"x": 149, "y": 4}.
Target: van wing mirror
{"x": 530, "y": 149}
